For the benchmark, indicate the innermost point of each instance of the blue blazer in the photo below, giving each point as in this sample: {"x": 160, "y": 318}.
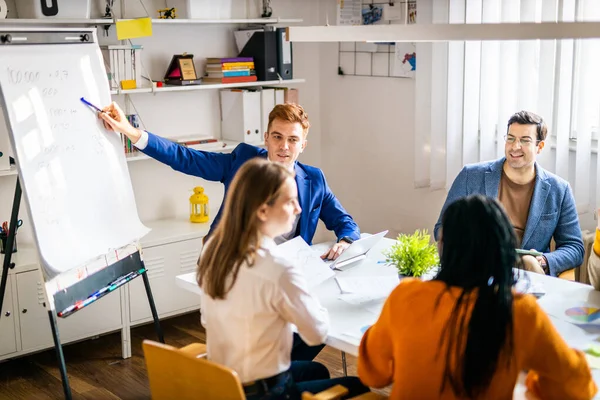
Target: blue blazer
{"x": 315, "y": 197}
{"x": 552, "y": 212}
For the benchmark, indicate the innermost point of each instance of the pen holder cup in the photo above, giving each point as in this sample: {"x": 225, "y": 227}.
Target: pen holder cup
{"x": 3, "y": 242}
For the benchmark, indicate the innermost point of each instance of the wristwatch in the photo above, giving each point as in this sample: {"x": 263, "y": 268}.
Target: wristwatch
{"x": 347, "y": 239}
{"x": 544, "y": 265}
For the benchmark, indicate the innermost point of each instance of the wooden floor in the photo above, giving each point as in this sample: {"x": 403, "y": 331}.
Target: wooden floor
{"x": 97, "y": 371}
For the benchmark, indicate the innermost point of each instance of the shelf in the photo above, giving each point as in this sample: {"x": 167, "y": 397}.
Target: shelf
{"x": 8, "y": 172}
{"x": 110, "y": 21}
{"x": 173, "y": 230}
{"x": 55, "y": 21}
{"x": 25, "y": 259}
{"x": 208, "y": 86}
{"x": 445, "y": 32}
{"x": 217, "y": 147}
{"x": 227, "y": 21}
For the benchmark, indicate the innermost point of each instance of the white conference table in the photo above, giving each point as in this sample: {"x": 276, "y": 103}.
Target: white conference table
{"x": 346, "y": 319}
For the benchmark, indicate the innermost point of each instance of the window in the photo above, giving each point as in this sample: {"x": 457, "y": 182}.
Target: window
{"x": 466, "y": 92}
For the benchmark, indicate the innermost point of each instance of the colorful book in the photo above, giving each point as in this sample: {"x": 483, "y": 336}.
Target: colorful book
{"x": 231, "y": 79}
{"x": 222, "y": 74}
{"x": 229, "y": 60}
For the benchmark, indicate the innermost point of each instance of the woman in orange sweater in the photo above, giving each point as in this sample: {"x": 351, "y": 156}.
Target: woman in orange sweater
{"x": 466, "y": 334}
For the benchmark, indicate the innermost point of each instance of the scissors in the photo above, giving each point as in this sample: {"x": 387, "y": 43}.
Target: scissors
{"x": 5, "y": 225}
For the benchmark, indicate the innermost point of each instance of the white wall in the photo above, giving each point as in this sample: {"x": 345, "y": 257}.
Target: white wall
{"x": 367, "y": 147}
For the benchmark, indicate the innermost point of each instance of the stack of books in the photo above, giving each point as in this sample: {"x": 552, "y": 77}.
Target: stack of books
{"x": 128, "y": 147}
{"x": 229, "y": 70}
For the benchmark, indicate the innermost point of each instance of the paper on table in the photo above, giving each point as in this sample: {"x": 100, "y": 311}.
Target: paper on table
{"x": 535, "y": 288}
{"x": 368, "y": 302}
{"x": 380, "y": 286}
{"x": 593, "y": 361}
{"x": 357, "y": 333}
{"x": 299, "y": 252}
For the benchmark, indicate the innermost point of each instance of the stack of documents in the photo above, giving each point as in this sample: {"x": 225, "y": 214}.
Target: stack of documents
{"x": 377, "y": 286}
{"x": 299, "y": 252}
{"x": 367, "y": 292}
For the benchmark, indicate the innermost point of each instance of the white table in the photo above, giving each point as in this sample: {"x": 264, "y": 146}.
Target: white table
{"x": 345, "y": 317}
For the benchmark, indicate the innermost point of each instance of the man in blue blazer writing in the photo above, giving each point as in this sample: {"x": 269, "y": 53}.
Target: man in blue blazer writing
{"x": 284, "y": 140}
{"x": 540, "y": 205}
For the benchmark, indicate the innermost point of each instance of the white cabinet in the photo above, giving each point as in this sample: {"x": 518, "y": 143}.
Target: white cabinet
{"x": 8, "y": 342}
{"x": 170, "y": 249}
{"x": 164, "y": 263}
{"x": 100, "y": 317}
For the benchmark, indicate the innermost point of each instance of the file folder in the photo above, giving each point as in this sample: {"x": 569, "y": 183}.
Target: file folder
{"x": 241, "y": 116}
{"x": 284, "y": 55}
{"x": 267, "y": 104}
{"x": 262, "y": 46}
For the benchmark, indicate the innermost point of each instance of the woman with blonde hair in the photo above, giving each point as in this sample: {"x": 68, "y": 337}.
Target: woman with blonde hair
{"x": 252, "y": 296}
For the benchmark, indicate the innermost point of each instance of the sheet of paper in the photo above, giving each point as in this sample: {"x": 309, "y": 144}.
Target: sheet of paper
{"x": 405, "y": 60}
{"x": 535, "y": 288}
{"x": 374, "y": 286}
{"x": 300, "y": 253}
{"x": 593, "y": 361}
{"x": 349, "y": 12}
{"x": 368, "y": 302}
{"x": 357, "y": 333}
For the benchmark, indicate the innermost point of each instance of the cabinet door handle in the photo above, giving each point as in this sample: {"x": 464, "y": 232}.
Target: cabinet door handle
{"x": 7, "y": 314}
{"x": 24, "y": 310}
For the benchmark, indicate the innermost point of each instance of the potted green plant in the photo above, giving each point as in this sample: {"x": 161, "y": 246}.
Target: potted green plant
{"x": 413, "y": 255}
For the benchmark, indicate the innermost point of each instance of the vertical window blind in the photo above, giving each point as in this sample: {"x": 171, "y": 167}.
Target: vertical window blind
{"x": 466, "y": 92}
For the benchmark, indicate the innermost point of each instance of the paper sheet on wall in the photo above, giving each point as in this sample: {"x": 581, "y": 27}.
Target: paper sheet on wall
{"x": 404, "y": 63}
{"x": 349, "y": 12}
{"x": 299, "y": 252}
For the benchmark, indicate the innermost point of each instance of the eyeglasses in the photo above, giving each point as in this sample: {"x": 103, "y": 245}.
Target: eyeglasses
{"x": 525, "y": 141}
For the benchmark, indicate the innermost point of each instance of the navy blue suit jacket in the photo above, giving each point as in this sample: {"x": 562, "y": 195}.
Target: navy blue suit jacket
{"x": 552, "y": 212}
{"x": 315, "y": 197}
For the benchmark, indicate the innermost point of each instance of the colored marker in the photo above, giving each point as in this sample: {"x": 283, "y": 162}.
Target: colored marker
{"x": 66, "y": 310}
{"x": 91, "y": 105}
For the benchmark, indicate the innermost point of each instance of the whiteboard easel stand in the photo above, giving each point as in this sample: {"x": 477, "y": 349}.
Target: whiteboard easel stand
{"x": 14, "y": 216}
{"x": 49, "y": 303}
{"x": 34, "y": 37}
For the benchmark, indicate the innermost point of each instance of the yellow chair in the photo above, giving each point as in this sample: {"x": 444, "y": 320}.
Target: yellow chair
{"x": 579, "y": 273}
{"x": 337, "y": 392}
{"x": 186, "y": 374}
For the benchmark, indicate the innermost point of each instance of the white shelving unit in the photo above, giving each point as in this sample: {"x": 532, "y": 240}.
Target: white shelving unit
{"x": 227, "y": 21}
{"x": 20, "y": 22}
{"x": 207, "y": 86}
{"x": 110, "y": 21}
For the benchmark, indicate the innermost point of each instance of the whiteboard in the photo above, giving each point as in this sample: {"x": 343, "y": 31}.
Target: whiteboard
{"x": 73, "y": 172}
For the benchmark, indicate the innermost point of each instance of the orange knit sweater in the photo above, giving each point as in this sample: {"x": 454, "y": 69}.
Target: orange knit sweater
{"x": 402, "y": 348}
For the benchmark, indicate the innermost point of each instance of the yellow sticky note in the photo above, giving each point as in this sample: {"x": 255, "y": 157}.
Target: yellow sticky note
{"x": 134, "y": 28}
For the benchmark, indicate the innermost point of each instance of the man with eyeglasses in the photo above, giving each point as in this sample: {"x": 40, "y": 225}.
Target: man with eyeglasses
{"x": 540, "y": 205}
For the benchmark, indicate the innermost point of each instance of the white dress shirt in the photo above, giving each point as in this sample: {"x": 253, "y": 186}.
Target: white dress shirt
{"x": 142, "y": 141}
{"x": 251, "y": 330}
